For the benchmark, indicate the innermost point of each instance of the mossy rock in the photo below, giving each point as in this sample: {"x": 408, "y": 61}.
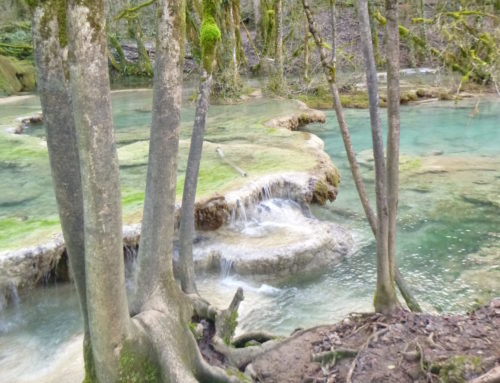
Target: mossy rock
{"x": 320, "y": 192}
{"x": 16, "y": 76}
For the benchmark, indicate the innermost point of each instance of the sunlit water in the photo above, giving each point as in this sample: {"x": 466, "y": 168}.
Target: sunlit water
{"x": 440, "y": 233}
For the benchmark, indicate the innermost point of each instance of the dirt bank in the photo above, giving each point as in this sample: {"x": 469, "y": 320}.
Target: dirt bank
{"x": 406, "y": 347}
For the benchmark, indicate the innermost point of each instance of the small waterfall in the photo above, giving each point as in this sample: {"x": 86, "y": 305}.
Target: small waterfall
{"x": 130, "y": 256}
{"x": 225, "y": 267}
{"x": 242, "y": 213}
{"x": 266, "y": 192}
{"x": 14, "y": 294}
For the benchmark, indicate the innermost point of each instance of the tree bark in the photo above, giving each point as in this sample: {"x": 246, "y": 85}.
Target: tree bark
{"x": 306, "y": 50}
{"x": 333, "y": 22}
{"x": 385, "y": 295}
{"x": 330, "y": 73}
{"x": 156, "y": 247}
{"x": 55, "y": 97}
{"x": 104, "y": 265}
{"x": 186, "y": 231}
{"x": 393, "y": 122}
{"x": 240, "y": 53}
{"x": 278, "y": 47}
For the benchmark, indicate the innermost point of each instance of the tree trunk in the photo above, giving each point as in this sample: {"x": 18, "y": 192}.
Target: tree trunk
{"x": 186, "y": 231}
{"x": 330, "y": 73}
{"x": 156, "y": 247}
{"x": 333, "y": 22}
{"x": 104, "y": 266}
{"x": 306, "y": 50}
{"x": 257, "y": 21}
{"x": 393, "y": 122}
{"x": 240, "y": 53}
{"x": 55, "y": 97}
{"x": 385, "y": 295}
{"x": 278, "y": 46}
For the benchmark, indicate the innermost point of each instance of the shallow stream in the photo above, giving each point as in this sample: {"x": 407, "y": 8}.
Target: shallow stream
{"x": 448, "y": 238}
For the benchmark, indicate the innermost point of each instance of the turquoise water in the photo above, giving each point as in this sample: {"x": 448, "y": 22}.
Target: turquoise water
{"x": 448, "y": 238}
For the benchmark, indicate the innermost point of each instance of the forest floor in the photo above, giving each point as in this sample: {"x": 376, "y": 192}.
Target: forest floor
{"x": 406, "y": 347}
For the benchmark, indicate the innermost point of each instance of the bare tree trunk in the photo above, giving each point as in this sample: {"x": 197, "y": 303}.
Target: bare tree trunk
{"x": 257, "y": 21}
{"x": 156, "y": 247}
{"x": 104, "y": 265}
{"x": 330, "y": 73}
{"x": 385, "y": 295}
{"x": 186, "y": 231}
{"x": 240, "y": 53}
{"x": 57, "y": 111}
{"x": 278, "y": 44}
{"x": 333, "y": 21}
{"x": 393, "y": 122}
{"x": 306, "y": 50}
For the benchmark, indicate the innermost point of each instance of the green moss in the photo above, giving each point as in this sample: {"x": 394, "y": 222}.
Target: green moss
{"x": 409, "y": 164}
{"x": 333, "y": 178}
{"x": 320, "y": 193}
{"x": 459, "y": 368}
{"x": 137, "y": 368}
{"x": 16, "y": 75}
{"x": 231, "y": 324}
{"x": 210, "y": 35}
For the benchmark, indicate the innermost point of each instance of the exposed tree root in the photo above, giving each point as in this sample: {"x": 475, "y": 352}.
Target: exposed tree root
{"x": 372, "y": 338}
{"x": 241, "y": 357}
{"x": 333, "y": 355}
{"x": 258, "y": 336}
{"x": 492, "y": 376}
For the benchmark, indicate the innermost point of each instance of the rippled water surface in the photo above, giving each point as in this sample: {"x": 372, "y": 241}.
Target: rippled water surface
{"x": 448, "y": 238}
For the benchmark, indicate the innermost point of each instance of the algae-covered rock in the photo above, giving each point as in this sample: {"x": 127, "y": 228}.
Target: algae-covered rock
{"x": 16, "y": 76}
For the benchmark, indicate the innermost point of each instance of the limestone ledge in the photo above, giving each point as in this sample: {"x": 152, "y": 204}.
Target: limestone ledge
{"x": 31, "y": 266}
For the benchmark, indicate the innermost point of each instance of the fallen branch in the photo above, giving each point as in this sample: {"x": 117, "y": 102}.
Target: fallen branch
{"x": 230, "y": 163}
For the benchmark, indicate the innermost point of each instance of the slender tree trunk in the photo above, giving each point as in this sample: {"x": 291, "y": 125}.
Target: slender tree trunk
{"x": 278, "y": 46}
{"x": 333, "y": 22}
{"x": 306, "y": 50}
{"x": 104, "y": 265}
{"x": 393, "y": 122}
{"x": 257, "y": 21}
{"x": 186, "y": 231}
{"x": 156, "y": 248}
{"x": 330, "y": 73}
{"x": 55, "y": 97}
{"x": 240, "y": 53}
{"x": 385, "y": 295}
